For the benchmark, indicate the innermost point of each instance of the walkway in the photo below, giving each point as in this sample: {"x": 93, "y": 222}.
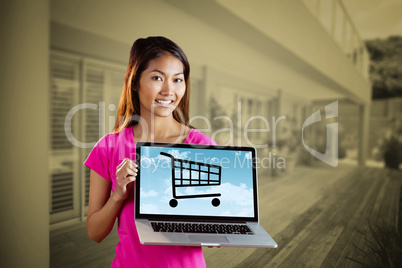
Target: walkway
{"x": 318, "y": 216}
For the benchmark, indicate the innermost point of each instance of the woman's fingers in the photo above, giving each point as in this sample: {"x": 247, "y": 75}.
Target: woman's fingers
{"x": 132, "y": 163}
{"x": 126, "y": 177}
{"x": 127, "y": 161}
{"x": 126, "y": 173}
{"x": 130, "y": 179}
{"x": 125, "y": 181}
{"x": 127, "y": 167}
{"x": 120, "y": 176}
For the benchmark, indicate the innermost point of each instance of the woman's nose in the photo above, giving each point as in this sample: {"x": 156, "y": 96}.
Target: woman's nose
{"x": 167, "y": 89}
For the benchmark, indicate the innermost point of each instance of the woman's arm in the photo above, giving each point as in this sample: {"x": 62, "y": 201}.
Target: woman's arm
{"x": 104, "y": 207}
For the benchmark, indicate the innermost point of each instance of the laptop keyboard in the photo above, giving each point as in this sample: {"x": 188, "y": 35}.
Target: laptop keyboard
{"x": 209, "y": 228}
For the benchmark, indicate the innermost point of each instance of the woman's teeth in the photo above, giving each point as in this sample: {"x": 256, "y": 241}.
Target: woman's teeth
{"x": 163, "y": 102}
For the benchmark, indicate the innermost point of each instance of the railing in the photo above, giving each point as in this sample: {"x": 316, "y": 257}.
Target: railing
{"x": 334, "y": 17}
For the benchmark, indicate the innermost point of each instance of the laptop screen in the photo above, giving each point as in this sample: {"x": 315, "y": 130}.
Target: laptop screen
{"x": 193, "y": 181}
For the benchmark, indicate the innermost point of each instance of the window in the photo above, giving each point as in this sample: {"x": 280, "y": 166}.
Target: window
{"x": 77, "y": 80}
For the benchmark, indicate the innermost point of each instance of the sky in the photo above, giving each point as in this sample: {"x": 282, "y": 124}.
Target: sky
{"x": 376, "y": 18}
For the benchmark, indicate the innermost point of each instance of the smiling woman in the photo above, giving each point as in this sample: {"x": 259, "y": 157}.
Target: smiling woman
{"x": 162, "y": 68}
{"x": 161, "y": 87}
{"x": 154, "y": 106}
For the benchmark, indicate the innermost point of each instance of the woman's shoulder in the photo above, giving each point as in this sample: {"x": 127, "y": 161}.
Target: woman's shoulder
{"x": 113, "y": 139}
{"x": 195, "y": 136}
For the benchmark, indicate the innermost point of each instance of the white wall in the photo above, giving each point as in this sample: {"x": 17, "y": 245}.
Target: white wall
{"x": 203, "y": 42}
{"x": 290, "y": 24}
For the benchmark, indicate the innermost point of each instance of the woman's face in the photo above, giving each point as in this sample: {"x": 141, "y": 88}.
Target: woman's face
{"x": 162, "y": 86}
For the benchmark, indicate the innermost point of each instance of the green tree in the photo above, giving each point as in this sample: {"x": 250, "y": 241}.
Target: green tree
{"x": 386, "y": 66}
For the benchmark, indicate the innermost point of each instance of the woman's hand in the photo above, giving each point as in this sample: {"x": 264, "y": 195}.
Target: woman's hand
{"x": 103, "y": 208}
{"x": 126, "y": 173}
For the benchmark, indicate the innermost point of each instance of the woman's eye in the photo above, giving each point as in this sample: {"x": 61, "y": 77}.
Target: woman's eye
{"x": 178, "y": 80}
{"x": 157, "y": 78}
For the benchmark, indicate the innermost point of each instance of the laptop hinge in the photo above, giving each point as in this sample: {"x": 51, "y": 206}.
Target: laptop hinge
{"x": 195, "y": 221}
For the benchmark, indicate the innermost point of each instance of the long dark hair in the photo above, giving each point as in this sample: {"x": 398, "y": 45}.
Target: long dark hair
{"x": 143, "y": 51}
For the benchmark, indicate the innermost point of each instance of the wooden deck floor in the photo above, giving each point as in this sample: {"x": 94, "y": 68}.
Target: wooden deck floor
{"x": 319, "y": 217}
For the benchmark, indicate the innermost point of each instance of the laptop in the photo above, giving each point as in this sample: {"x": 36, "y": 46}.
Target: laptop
{"x": 198, "y": 195}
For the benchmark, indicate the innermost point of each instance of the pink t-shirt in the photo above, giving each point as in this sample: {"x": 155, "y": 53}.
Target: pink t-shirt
{"x": 103, "y": 159}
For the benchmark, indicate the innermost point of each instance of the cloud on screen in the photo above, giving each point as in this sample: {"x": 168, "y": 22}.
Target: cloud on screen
{"x": 247, "y": 155}
{"x": 177, "y": 154}
{"x": 149, "y": 209}
{"x": 150, "y": 193}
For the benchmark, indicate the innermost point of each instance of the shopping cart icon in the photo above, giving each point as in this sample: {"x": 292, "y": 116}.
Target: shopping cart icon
{"x": 187, "y": 173}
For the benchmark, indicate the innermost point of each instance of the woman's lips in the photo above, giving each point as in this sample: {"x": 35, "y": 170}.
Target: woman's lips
{"x": 164, "y": 102}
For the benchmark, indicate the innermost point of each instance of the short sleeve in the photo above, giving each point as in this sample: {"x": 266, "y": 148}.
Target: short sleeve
{"x": 98, "y": 159}
{"x": 197, "y": 137}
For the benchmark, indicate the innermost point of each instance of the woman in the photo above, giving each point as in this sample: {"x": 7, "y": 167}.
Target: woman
{"x": 153, "y": 106}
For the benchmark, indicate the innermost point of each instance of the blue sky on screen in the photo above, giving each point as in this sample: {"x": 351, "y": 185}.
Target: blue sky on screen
{"x": 236, "y": 183}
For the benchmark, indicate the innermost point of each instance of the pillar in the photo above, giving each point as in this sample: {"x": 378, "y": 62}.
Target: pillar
{"x": 24, "y": 135}
{"x": 364, "y": 121}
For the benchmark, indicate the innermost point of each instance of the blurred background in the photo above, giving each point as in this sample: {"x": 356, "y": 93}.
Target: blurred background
{"x": 249, "y": 60}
